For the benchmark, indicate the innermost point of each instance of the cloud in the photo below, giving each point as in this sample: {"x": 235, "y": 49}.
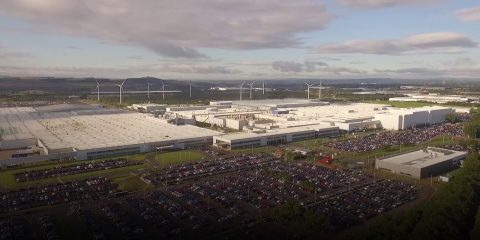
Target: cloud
{"x": 461, "y": 62}
{"x": 136, "y": 57}
{"x": 6, "y": 53}
{"x": 468, "y": 14}
{"x": 373, "y": 4}
{"x": 178, "y": 28}
{"x": 291, "y": 66}
{"x": 428, "y": 43}
{"x": 188, "y": 69}
{"x": 343, "y": 71}
{"x": 160, "y": 70}
{"x": 287, "y": 66}
{"x": 460, "y": 68}
{"x": 416, "y": 71}
{"x": 313, "y": 67}
{"x": 425, "y": 72}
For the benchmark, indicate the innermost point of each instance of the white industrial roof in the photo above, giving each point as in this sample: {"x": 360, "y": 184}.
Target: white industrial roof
{"x": 404, "y": 111}
{"x": 13, "y": 123}
{"x": 273, "y": 102}
{"x": 59, "y": 130}
{"x": 421, "y": 158}
{"x": 432, "y": 98}
{"x": 336, "y": 112}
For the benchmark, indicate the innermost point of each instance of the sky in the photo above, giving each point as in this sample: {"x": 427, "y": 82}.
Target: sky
{"x": 244, "y": 39}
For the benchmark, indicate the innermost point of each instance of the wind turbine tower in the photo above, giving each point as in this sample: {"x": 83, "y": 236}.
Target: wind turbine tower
{"x": 308, "y": 90}
{"x": 148, "y": 91}
{"x": 320, "y": 90}
{"x": 241, "y": 90}
{"x": 98, "y": 91}
{"x": 251, "y": 88}
{"x": 121, "y": 89}
{"x": 263, "y": 87}
{"x": 190, "y": 86}
{"x": 163, "y": 90}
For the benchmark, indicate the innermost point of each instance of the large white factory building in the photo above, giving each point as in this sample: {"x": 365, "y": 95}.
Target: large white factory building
{"x": 92, "y": 132}
{"x": 401, "y": 119}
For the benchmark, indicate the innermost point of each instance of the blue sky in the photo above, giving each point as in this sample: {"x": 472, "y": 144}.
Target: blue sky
{"x": 240, "y": 39}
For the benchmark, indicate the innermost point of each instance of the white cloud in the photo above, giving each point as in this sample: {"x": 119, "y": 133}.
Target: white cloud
{"x": 468, "y": 14}
{"x": 425, "y": 72}
{"x": 291, "y": 66}
{"x": 372, "y": 4}
{"x": 441, "y": 42}
{"x": 461, "y": 62}
{"x": 287, "y": 66}
{"x": 160, "y": 70}
{"x": 8, "y": 54}
{"x": 178, "y": 28}
{"x": 313, "y": 68}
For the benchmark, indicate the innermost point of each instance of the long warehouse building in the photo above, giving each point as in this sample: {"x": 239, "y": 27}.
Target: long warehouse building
{"x": 273, "y": 137}
{"x": 90, "y": 136}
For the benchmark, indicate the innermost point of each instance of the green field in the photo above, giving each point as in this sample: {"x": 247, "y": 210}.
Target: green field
{"x": 269, "y": 149}
{"x": 130, "y": 183}
{"x": 7, "y": 178}
{"x": 178, "y": 157}
{"x": 121, "y": 176}
{"x": 404, "y": 104}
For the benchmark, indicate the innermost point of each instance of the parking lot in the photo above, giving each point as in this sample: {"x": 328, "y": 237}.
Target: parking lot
{"x": 209, "y": 197}
{"x": 73, "y": 169}
{"x": 414, "y": 136}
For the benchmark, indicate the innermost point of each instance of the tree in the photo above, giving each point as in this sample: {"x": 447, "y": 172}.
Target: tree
{"x": 452, "y": 118}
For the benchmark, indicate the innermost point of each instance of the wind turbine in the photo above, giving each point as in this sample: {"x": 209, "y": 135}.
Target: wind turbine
{"x": 163, "y": 90}
{"x": 148, "y": 91}
{"x": 241, "y": 90}
{"x": 121, "y": 89}
{"x": 190, "y": 86}
{"x": 98, "y": 91}
{"x": 251, "y": 86}
{"x": 320, "y": 90}
{"x": 263, "y": 87}
{"x": 308, "y": 89}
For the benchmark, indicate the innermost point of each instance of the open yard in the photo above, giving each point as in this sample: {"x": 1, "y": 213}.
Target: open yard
{"x": 8, "y": 182}
{"x": 177, "y": 157}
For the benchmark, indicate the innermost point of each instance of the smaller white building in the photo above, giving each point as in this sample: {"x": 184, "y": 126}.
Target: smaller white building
{"x": 422, "y": 163}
